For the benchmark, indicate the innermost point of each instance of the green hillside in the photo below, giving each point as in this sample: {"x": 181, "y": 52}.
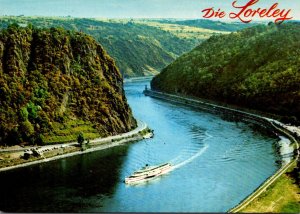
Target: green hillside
{"x": 55, "y": 84}
{"x": 258, "y": 68}
{"x": 138, "y": 48}
{"x": 209, "y": 24}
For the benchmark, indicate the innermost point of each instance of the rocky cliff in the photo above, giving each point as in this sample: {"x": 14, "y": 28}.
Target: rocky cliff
{"x": 52, "y": 79}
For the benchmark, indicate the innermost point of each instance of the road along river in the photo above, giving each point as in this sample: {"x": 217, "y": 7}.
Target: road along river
{"x": 217, "y": 163}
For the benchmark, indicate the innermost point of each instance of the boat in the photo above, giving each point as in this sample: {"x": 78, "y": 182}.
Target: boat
{"x": 148, "y": 172}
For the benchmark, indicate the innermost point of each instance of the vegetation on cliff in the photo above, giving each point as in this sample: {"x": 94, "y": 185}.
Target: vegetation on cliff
{"x": 140, "y": 47}
{"x": 53, "y": 80}
{"x": 258, "y": 68}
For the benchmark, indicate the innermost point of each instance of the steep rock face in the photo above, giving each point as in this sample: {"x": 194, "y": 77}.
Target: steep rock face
{"x": 138, "y": 49}
{"x": 52, "y": 76}
{"x": 258, "y": 68}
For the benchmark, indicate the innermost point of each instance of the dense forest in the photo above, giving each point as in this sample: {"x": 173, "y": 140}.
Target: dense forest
{"x": 258, "y": 67}
{"x": 51, "y": 78}
{"x": 140, "y": 47}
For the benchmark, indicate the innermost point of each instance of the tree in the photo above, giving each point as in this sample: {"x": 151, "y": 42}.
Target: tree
{"x": 32, "y": 110}
{"x": 80, "y": 139}
{"x": 24, "y": 114}
{"x": 27, "y": 128}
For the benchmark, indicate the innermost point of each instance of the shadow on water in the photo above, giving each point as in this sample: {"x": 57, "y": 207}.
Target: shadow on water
{"x": 62, "y": 185}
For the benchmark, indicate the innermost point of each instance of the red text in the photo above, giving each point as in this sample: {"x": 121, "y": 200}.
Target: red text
{"x": 246, "y": 13}
{"x": 211, "y": 13}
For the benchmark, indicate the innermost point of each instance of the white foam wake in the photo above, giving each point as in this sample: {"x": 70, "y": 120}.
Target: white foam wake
{"x": 189, "y": 160}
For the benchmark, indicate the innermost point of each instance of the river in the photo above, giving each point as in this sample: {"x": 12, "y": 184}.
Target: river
{"x": 218, "y": 162}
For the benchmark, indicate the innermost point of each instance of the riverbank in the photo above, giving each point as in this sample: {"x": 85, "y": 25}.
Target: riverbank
{"x": 15, "y": 157}
{"x": 269, "y": 123}
{"x": 280, "y": 197}
{"x": 278, "y": 183}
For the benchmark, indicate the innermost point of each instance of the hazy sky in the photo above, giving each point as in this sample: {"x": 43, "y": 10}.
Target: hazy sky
{"x": 129, "y": 8}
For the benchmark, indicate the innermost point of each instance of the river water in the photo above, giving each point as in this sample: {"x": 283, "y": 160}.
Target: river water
{"x": 217, "y": 163}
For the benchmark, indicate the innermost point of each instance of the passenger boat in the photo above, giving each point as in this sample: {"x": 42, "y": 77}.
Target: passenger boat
{"x": 148, "y": 172}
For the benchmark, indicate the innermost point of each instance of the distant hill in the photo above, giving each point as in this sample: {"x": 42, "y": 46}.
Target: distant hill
{"x": 257, "y": 67}
{"x": 139, "y": 47}
{"x": 212, "y": 25}
{"x": 55, "y": 84}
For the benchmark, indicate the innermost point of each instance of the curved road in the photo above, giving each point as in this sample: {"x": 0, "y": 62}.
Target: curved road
{"x": 140, "y": 126}
{"x": 114, "y": 141}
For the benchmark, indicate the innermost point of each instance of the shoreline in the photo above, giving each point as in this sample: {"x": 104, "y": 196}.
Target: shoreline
{"x": 260, "y": 120}
{"x": 105, "y": 143}
{"x": 267, "y": 183}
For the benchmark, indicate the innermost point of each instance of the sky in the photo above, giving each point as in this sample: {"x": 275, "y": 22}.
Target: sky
{"x": 190, "y": 9}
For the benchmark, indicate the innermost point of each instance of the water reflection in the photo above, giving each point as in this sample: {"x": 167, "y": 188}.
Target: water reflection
{"x": 62, "y": 185}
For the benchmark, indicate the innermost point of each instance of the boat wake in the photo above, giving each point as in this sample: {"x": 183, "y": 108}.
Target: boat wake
{"x": 183, "y": 160}
{"x": 188, "y": 154}
{"x": 199, "y": 153}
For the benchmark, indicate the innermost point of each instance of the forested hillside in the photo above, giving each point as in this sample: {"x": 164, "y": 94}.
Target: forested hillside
{"x": 139, "y": 49}
{"x": 209, "y": 24}
{"x": 58, "y": 83}
{"x": 258, "y": 67}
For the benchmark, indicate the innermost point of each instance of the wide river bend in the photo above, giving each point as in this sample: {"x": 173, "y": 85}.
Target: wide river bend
{"x": 217, "y": 164}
